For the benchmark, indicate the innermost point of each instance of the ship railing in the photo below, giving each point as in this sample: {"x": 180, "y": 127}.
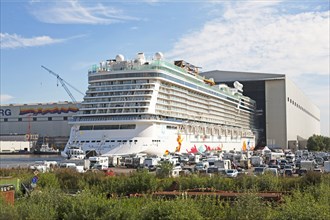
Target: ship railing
{"x": 125, "y": 118}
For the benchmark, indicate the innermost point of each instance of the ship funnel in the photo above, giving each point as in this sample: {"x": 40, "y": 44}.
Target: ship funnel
{"x": 140, "y": 58}
{"x": 119, "y": 58}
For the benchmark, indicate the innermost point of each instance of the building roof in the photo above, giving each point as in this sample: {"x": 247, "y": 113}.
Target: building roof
{"x": 41, "y": 103}
{"x": 225, "y": 76}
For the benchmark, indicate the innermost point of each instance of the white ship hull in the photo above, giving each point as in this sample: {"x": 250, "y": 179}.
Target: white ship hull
{"x": 156, "y": 139}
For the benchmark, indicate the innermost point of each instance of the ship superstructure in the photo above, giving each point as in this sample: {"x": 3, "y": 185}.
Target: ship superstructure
{"x": 154, "y": 106}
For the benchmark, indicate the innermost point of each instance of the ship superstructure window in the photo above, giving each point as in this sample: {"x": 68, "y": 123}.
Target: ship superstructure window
{"x": 50, "y": 119}
{"x": 19, "y": 119}
{"x": 107, "y": 127}
{"x": 34, "y": 119}
{"x": 5, "y": 119}
{"x": 171, "y": 127}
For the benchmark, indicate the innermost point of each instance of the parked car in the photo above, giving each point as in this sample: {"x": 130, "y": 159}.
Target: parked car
{"x": 152, "y": 168}
{"x": 288, "y": 172}
{"x": 232, "y": 173}
{"x": 213, "y": 170}
{"x": 259, "y": 170}
{"x": 283, "y": 163}
{"x": 274, "y": 166}
{"x": 318, "y": 170}
{"x": 302, "y": 171}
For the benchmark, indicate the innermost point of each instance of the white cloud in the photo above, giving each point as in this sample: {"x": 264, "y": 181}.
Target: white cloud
{"x": 257, "y": 37}
{"x": 259, "y": 40}
{"x": 10, "y": 41}
{"x": 5, "y": 98}
{"x": 73, "y": 12}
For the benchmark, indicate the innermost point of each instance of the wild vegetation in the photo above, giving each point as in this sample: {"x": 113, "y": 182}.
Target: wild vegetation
{"x": 64, "y": 194}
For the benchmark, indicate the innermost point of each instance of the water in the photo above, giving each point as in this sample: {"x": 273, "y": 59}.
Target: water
{"x": 13, "y": 161}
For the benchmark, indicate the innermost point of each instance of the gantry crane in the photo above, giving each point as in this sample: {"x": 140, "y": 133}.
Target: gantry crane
{"x": 64, "y": 83}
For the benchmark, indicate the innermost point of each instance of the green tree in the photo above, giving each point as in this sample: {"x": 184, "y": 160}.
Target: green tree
{"x": 165, "y": 169}
{"x": 315, "y": 143}
{"x": 327, "y": 143}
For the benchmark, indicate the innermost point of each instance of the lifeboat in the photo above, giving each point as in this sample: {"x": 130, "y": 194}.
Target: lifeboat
{"x": 210, "y": 81}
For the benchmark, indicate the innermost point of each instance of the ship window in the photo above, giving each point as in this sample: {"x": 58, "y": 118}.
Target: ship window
{"x": 93, "y": 141}
{"x": 50, "y": 119}
{"x": 19, "y": 119}
{"x": 127, "y": 126}
{"x": 130, "y": 141}
{"x": 124, "y": 141}
{"x": 112, "y": 140}
{"x": 107, "y": 141}
{"x": 135, "y": 140}
{"x": 171, "y": 127}
{"x": 6, "y": 119}
{"x": 87, "y": 141}
{"x": 65, "y": 118}
{"x": 118, "y": 140}
{"x": 34, "y": 119}
{"x": 86, "y": 128}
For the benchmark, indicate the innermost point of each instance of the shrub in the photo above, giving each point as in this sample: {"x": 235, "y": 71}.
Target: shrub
{"x": 303, "y": 205}
{"x": 7, "y": 211}
{"x": 268, "y": 182}
{"x": 164, "y": 169}
{"x": 249, "y": 206}
{"x": 48, "y": 180}
{"x": 212, "y": 208}
{"x": 68, "y": 179}
{"x": 40, "y": 205}
{"x": 86, "y": 205}
{"x": 311, "y": 178}
{"x": 170, "y": 209}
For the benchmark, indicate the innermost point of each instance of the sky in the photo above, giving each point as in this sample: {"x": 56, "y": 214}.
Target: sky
{"x": 268, "y": 36}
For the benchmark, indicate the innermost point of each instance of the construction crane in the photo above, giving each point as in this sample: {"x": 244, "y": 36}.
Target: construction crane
{"x": 64, "y": 83}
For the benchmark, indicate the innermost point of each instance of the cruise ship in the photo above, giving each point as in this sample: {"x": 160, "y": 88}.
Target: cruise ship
{"x": 158, "y": 107}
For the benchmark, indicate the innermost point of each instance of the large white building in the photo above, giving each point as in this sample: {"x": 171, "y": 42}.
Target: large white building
{"x": 286, "y": 116}
{"x": 38, "y": 122}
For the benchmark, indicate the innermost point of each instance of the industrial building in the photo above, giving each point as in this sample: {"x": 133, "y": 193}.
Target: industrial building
{"x": 285, "y": 117}
{"x": 36, "y": 123}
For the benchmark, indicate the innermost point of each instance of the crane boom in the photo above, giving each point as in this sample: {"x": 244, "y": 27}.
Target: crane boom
{"x": 64, "y": 83}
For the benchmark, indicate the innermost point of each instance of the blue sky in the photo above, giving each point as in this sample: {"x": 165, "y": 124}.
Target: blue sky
{"x": 68, "y": 37}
